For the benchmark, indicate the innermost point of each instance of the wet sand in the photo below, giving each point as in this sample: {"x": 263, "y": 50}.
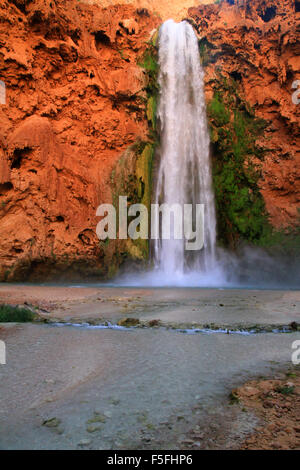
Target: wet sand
{"x": 126, "y": 389}
{"x": 189, "y": 306}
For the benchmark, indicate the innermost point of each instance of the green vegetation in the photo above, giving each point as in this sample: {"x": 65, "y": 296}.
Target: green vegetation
{"x": 291, "y": 375}
{"x": 149, "y": 62}
{"x": 286, "y": 389}
{"x": 234, "y": 131}
{"x": 237, "y": 157}
{"x": 233, "y": 398}
{"x": 218, "y": 111}
{"x": 151, "y": 111}
{"x": 121, "y": 52}
{"x": 207, "y": 55}
{"x": 9, "y": 313}
{"x": 132, "y": 176}
{"x": 285, "y": 241}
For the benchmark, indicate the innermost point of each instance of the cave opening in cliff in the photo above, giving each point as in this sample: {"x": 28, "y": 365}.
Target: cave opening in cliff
{"x": 101, "y": 39}
{"x": 269, "y": 14}
{"x": 297, "y": 6}
{"x": 4, "y": 187}
{"x": 36, "y": 21}
{"x": 20, "y": 6}
{"x": 143, "y": 12}
{"x": 18, "y": 156}
{"x": 16, "y": 250}
{"x": 75, "y": 36}
{"x": 237, "y": 76}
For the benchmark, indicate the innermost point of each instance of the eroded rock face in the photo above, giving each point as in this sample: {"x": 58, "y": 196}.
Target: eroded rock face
{"x": 176, "y": 9}
{"x": 75, "y": 102}
{"x": 256, "y": 42}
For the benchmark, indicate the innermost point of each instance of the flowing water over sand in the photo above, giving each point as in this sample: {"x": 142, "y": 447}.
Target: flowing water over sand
{"x": 124, "y": 389}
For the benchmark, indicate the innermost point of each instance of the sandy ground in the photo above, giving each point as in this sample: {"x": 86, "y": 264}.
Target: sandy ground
{"x": 73, "y": 387}
{"x": 187, "y": 307}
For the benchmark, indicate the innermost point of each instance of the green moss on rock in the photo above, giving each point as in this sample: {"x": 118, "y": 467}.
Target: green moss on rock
{"x": 151, "y": 110}
{"x": 235, "y": 130}
{"x": 132, "y": 176}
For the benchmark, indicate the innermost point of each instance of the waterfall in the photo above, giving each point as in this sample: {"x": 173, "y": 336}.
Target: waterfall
{"x": 184, "y": 171}
{"x": 183, "y": 176}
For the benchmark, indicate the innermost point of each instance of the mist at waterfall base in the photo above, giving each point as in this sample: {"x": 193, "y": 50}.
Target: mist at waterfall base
{"x": 247, "y": 268}
{"x": 184, "y": 176}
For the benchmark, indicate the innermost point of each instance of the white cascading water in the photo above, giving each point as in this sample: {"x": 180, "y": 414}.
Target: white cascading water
{"x": 184, "y": 173}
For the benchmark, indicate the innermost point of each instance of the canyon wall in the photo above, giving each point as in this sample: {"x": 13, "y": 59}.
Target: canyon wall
{"x": 77, "y": 106}
{"x": 75, "y": 103}
{"x": 166, "y": 9}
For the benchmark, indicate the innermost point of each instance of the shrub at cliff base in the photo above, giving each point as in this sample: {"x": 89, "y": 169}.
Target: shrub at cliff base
{"x": 8, "y": 313}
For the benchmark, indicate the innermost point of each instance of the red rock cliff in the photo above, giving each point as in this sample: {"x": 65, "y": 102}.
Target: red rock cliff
{"x": 74, "y": 104}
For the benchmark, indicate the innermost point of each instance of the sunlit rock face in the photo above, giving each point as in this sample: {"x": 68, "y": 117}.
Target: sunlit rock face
{"x": 175, "y": 9}
{"x": 75, "y": 102}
